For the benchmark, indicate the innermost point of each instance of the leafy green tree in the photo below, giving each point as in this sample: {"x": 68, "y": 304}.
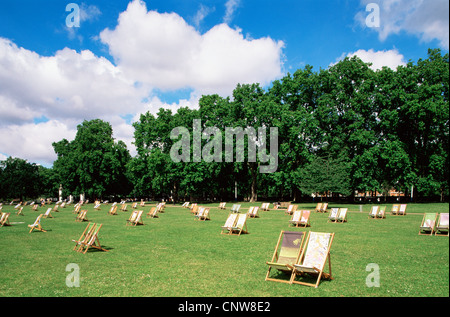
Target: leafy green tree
{"x": 93, "y": 163}
{"x": 19, "y": 179}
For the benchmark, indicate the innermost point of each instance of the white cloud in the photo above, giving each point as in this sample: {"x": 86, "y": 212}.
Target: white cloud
{"x": 378, "y": 59}
{"x": 428, "y": 20}
{"x": 34, "y": 141}
{"x": 230, "y": 6}
{"x": 44, "y": 98}
{"x": 161, "y": 50}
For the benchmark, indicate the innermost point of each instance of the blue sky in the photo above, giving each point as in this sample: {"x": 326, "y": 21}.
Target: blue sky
{"x": 167, "y": 53}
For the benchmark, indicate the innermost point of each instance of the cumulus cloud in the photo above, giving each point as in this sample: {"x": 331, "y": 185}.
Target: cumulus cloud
{"x": 428, "y": 20}
{"x": 378, "y": 59}
{"x": 161, "y": 50}
{"x": 44, "y": 98}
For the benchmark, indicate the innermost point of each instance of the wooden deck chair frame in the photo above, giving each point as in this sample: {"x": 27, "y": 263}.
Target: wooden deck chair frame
{"x": 373, "y": 212}
{"x": 37, "y": 224}
{"x": 153, "y": 213}
{"x": 381, "y": 214}
{"x": 305, "y": 219}
{"x": 240, "y": 226}
{"x": 428, "y": 224}
{"x": 290, "y": 209}
{"x": 320, "y": 257}
{"x": 334, "y": 213}
{"x": 92, "y": 242}
{"x": 394, "y": 209}
{"x": 235, "y": 208}
{"x": 342, "y": 217}
{"x": 229, "y": 223}
{"x": 185, "y": 204}
{"x": 402, "y": 210}
{"x": 135, "y": 218}
{"x": 113, "y": 210}
{"x": 253, "y": 212}
{"x": 296, "y": 217}
{"x": 48, "y": 213}
{"x": 194, "y": 208}
{"x": 442, "y": 225}
{"x": 318, "y": 207}
{"x": 286, "y": 254}
{"x": 204, "y": 215}
{"x": 20, "y": 211}
{"x": 324, "y": 207}
{"x": 4, "y": 220}
{"x": 265, "y": 206}
{"x": 222, "y": 205}
{"x": 85, "y": 236}
{"x": 82, "y": 216}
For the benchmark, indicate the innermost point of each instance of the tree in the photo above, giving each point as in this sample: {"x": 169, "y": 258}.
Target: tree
{"x": 93, "y": 163}
{"x": 19, "y": 179}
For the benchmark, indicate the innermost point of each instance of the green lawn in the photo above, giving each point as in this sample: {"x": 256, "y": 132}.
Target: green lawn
{"x": 174, "y": 255}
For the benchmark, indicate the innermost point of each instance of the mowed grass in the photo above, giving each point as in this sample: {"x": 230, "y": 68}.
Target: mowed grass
{"x": 177, "y": 256}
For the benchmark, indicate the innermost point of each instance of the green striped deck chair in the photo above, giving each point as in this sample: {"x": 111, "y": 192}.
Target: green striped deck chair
{"x": 442, "y": 225}
{"x": 428, "y": 224}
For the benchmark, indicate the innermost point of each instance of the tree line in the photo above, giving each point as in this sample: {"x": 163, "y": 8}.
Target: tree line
{"x": 340, "y": 130}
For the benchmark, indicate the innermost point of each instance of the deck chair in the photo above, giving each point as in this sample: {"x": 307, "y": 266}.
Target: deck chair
{"x": 20, "y": 211}
{"x": 313, "y": 258}
{"x": 333, "y": 214}
{"x": 35, "y": 207}
{"x": 342, "y": 215}
{"x": 290, "y": 210}
{"x": 442, "y": 225}
{"x": 381, "y": 212}
{"x": 123, "y": 207}
{"x": 265, "y": 206}
{"x": 55, "y": 209}
{"x": 240, "y": 226}
{"x": 374, "y": 212}
{"x": 324, "y": 207}
{"x": 394, "y": 209}
{"x": 85, "y": 236}
{"x": 304, "y": 220}
{"x": 142, "y": 204}
{"x": 295, "y": 219}
{"x": 222, "y": 205}
{"x": 229, "y": 223}
{"x": 113, "y": 210}
{"x": 318, "y": 207}
{"x": 402, "y": 210}
{"x": 428, "y": 224}
{"x": 185, "y": 204}
{"x": 97, "y": 206}
{"x": 194, "y": 208}
{"x": 253, "y": 212}
{"x": 135, "y": 218}
{"x": 82, "y": 216}
{"x": 203, "y": 214}
{"x": 153, "y": 213}
{"x": 134, "y": 205}
{"x": 92, "y": 241}
{"x": 48, "y": 213}
{"x": 235, "y": 208}
{"x": 286, "y": 254}
{"x": 37, "y": 224}
{"x": 77, "y": 208}
{"x": 4, "y": 219}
